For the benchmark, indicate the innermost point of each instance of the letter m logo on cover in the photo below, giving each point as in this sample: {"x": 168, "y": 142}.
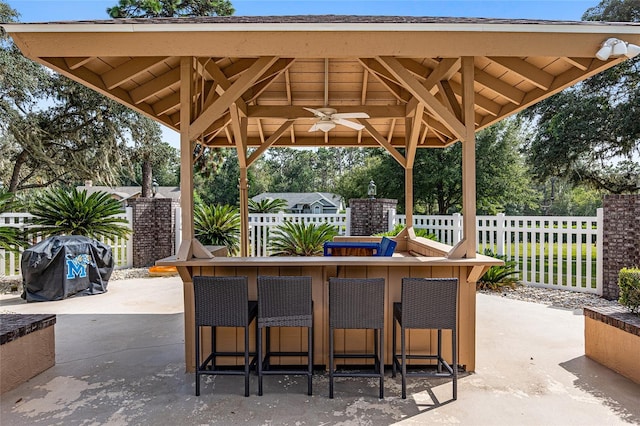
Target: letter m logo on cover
{"x": 77, "y": 266}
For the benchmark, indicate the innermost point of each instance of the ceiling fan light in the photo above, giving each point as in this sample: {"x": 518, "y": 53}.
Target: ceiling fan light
{"x": 325, "y": 126}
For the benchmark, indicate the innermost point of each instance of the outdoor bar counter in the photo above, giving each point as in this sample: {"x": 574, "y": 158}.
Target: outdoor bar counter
{"x": 413, "y": 258}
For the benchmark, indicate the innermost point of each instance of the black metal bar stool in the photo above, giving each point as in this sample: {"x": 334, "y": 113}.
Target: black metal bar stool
{"x": 357, "y": 303}
{"x": 223, "y": 302}
{"x": 284, "y": 302}
{"x": 427, "y": 303}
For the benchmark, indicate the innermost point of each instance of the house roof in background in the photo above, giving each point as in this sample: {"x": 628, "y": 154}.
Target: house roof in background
{"x": 126, "y": 192}
{"x": 327, "y": 199}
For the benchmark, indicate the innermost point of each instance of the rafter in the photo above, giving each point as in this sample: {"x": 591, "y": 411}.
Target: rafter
{"x": 223, "y": 84}
{"x": 384, "y": 78}
{"x": 129, "y": 70}
{"x": 503, "y": 89}
{"x": 443, "y": 72}
{"x": 266, "y": 144}
{"x": 524, "y": 69}
{"x": 168, "y": 80}
{"x": 422, "y": 94}
{"x": 383, "y": 142}
{"x": 295, "y": 112}
{"x": 231, "y": 95}
{"x": 580, "y": 63}
{"x": 75, "y": 63}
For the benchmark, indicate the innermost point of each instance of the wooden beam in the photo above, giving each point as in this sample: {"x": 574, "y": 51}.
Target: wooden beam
{"x": 170, "y": 79}
{"x": 166, "y": 104}
{"x": 186, "y": 164}
{"x": 467, "y": 247}
{"x": 449, "y": 97}
{"x": 503, "y": 89}
{"x": 524, "y": 69}
{"x": 582, "y": 64}
{"x": 384, "y": 78}
{"x": 298, "y": 112}
{"x": 129, "y": 70}
{"x": 309, "y": 140}
{"x": 75, "y": 63}
{"x": 422, "y": 94}
{"x": 223, "y": 83}
{"x": 383, "y": 142}
{"x": 272, "y": 139}
{"x": 230, "y": 96}
{"x": 413, "y": 135}
{"x": 444, "y": 71}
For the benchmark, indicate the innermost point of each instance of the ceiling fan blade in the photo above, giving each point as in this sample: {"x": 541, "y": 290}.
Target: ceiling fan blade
{"x": 350, "y": 115}
{"x": 316, "y": 112}
{"x": 347, "y": 123}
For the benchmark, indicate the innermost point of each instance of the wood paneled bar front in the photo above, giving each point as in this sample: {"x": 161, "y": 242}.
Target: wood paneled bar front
{"x": 412, "y": 262}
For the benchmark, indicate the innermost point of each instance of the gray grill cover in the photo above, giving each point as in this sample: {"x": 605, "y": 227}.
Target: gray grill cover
{"x": 65, "y": 266}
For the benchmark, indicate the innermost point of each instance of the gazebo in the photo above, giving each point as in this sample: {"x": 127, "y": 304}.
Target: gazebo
{"x": 401, "y": 83}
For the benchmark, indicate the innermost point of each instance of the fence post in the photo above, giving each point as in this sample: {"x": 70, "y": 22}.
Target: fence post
{"x": 501, "y": 231}
{"x": 392, "y": 219}
{"x": 347, "y": 227}
{"x": 178, "y": 231}
{"x": 457, "y": 228}
{"x": 129, "y": 213}
{"x": 599, "y": 251}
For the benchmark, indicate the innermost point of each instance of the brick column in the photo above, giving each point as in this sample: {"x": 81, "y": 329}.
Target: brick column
{"x": 370, "y": 216}
{"x": 153, "y": 230}
{"x": 621, "y": 239}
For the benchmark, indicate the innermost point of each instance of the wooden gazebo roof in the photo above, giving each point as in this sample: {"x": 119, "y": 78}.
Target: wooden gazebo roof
{"x": 274, "y": 66}
{"x": 242, "y": 82}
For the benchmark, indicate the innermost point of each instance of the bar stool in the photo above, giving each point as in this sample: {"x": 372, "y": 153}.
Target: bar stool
{"x": 284, "y": 302}
{"x": 427, "y": 303}
{"x": 223, "y": 302}
{"x": 357, "y": 303}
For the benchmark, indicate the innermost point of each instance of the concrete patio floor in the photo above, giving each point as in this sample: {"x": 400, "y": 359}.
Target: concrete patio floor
{"x": 119, "y": 361}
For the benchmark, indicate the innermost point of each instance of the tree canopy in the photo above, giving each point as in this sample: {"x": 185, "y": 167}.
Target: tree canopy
{"x": 590, "y": 133}
{"x": 170, "y": 8}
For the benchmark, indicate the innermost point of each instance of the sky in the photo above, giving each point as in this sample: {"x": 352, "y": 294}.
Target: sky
{"x": 72, "y": 10}
{"x": 62, "y": 10}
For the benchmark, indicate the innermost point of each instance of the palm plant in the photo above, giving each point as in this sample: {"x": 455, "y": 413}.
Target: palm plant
{"x": 499, "y": 276}
{"x": 217, "y": 225}
{"x": 10, "y": 238}
{"x": 299, "y": 239}
{"x": 267, "y": 206}
{"x": 60, "y": 212}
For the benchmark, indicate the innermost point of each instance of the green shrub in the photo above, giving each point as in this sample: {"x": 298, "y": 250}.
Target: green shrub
{"x": 61, "y": 212}
{"x": 217, "y": 225}
{"x": 300, "y": 239}
{"x": 629, "y": 282}
{"x": 399, "y": 227}
{"x": 499, "y": 276}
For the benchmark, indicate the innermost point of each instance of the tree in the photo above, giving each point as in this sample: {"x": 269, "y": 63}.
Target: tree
{"x": 10, "y": 237}
{"x": 590, "y": 133}
{"x": 53, "y": 130}
{"x": 61, "y": 212}
{"x": 170, "y": 8}
{"x": 502, "y": 179}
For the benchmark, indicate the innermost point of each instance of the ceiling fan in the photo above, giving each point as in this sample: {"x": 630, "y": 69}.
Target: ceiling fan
{"x": 327, "y": 118}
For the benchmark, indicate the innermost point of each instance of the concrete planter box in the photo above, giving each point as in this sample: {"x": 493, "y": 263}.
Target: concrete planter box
{"x": 612, "y": 338}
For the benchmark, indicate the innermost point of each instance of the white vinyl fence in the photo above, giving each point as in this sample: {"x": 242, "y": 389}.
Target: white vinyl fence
{"x": 563, "y": 252}
{"x": 121, "y": 248}
{"x": 550, "y": 251}
{"x": 261, "y": 224}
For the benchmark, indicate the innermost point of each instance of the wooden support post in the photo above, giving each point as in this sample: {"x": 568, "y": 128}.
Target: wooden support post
{"x": 186, "y": 152}
{"x": 244, "y": 212}
{"x": 467, "y": 247}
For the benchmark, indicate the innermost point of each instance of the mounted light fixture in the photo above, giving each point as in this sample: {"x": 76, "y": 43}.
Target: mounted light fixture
{"x": 616, "y": 47}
